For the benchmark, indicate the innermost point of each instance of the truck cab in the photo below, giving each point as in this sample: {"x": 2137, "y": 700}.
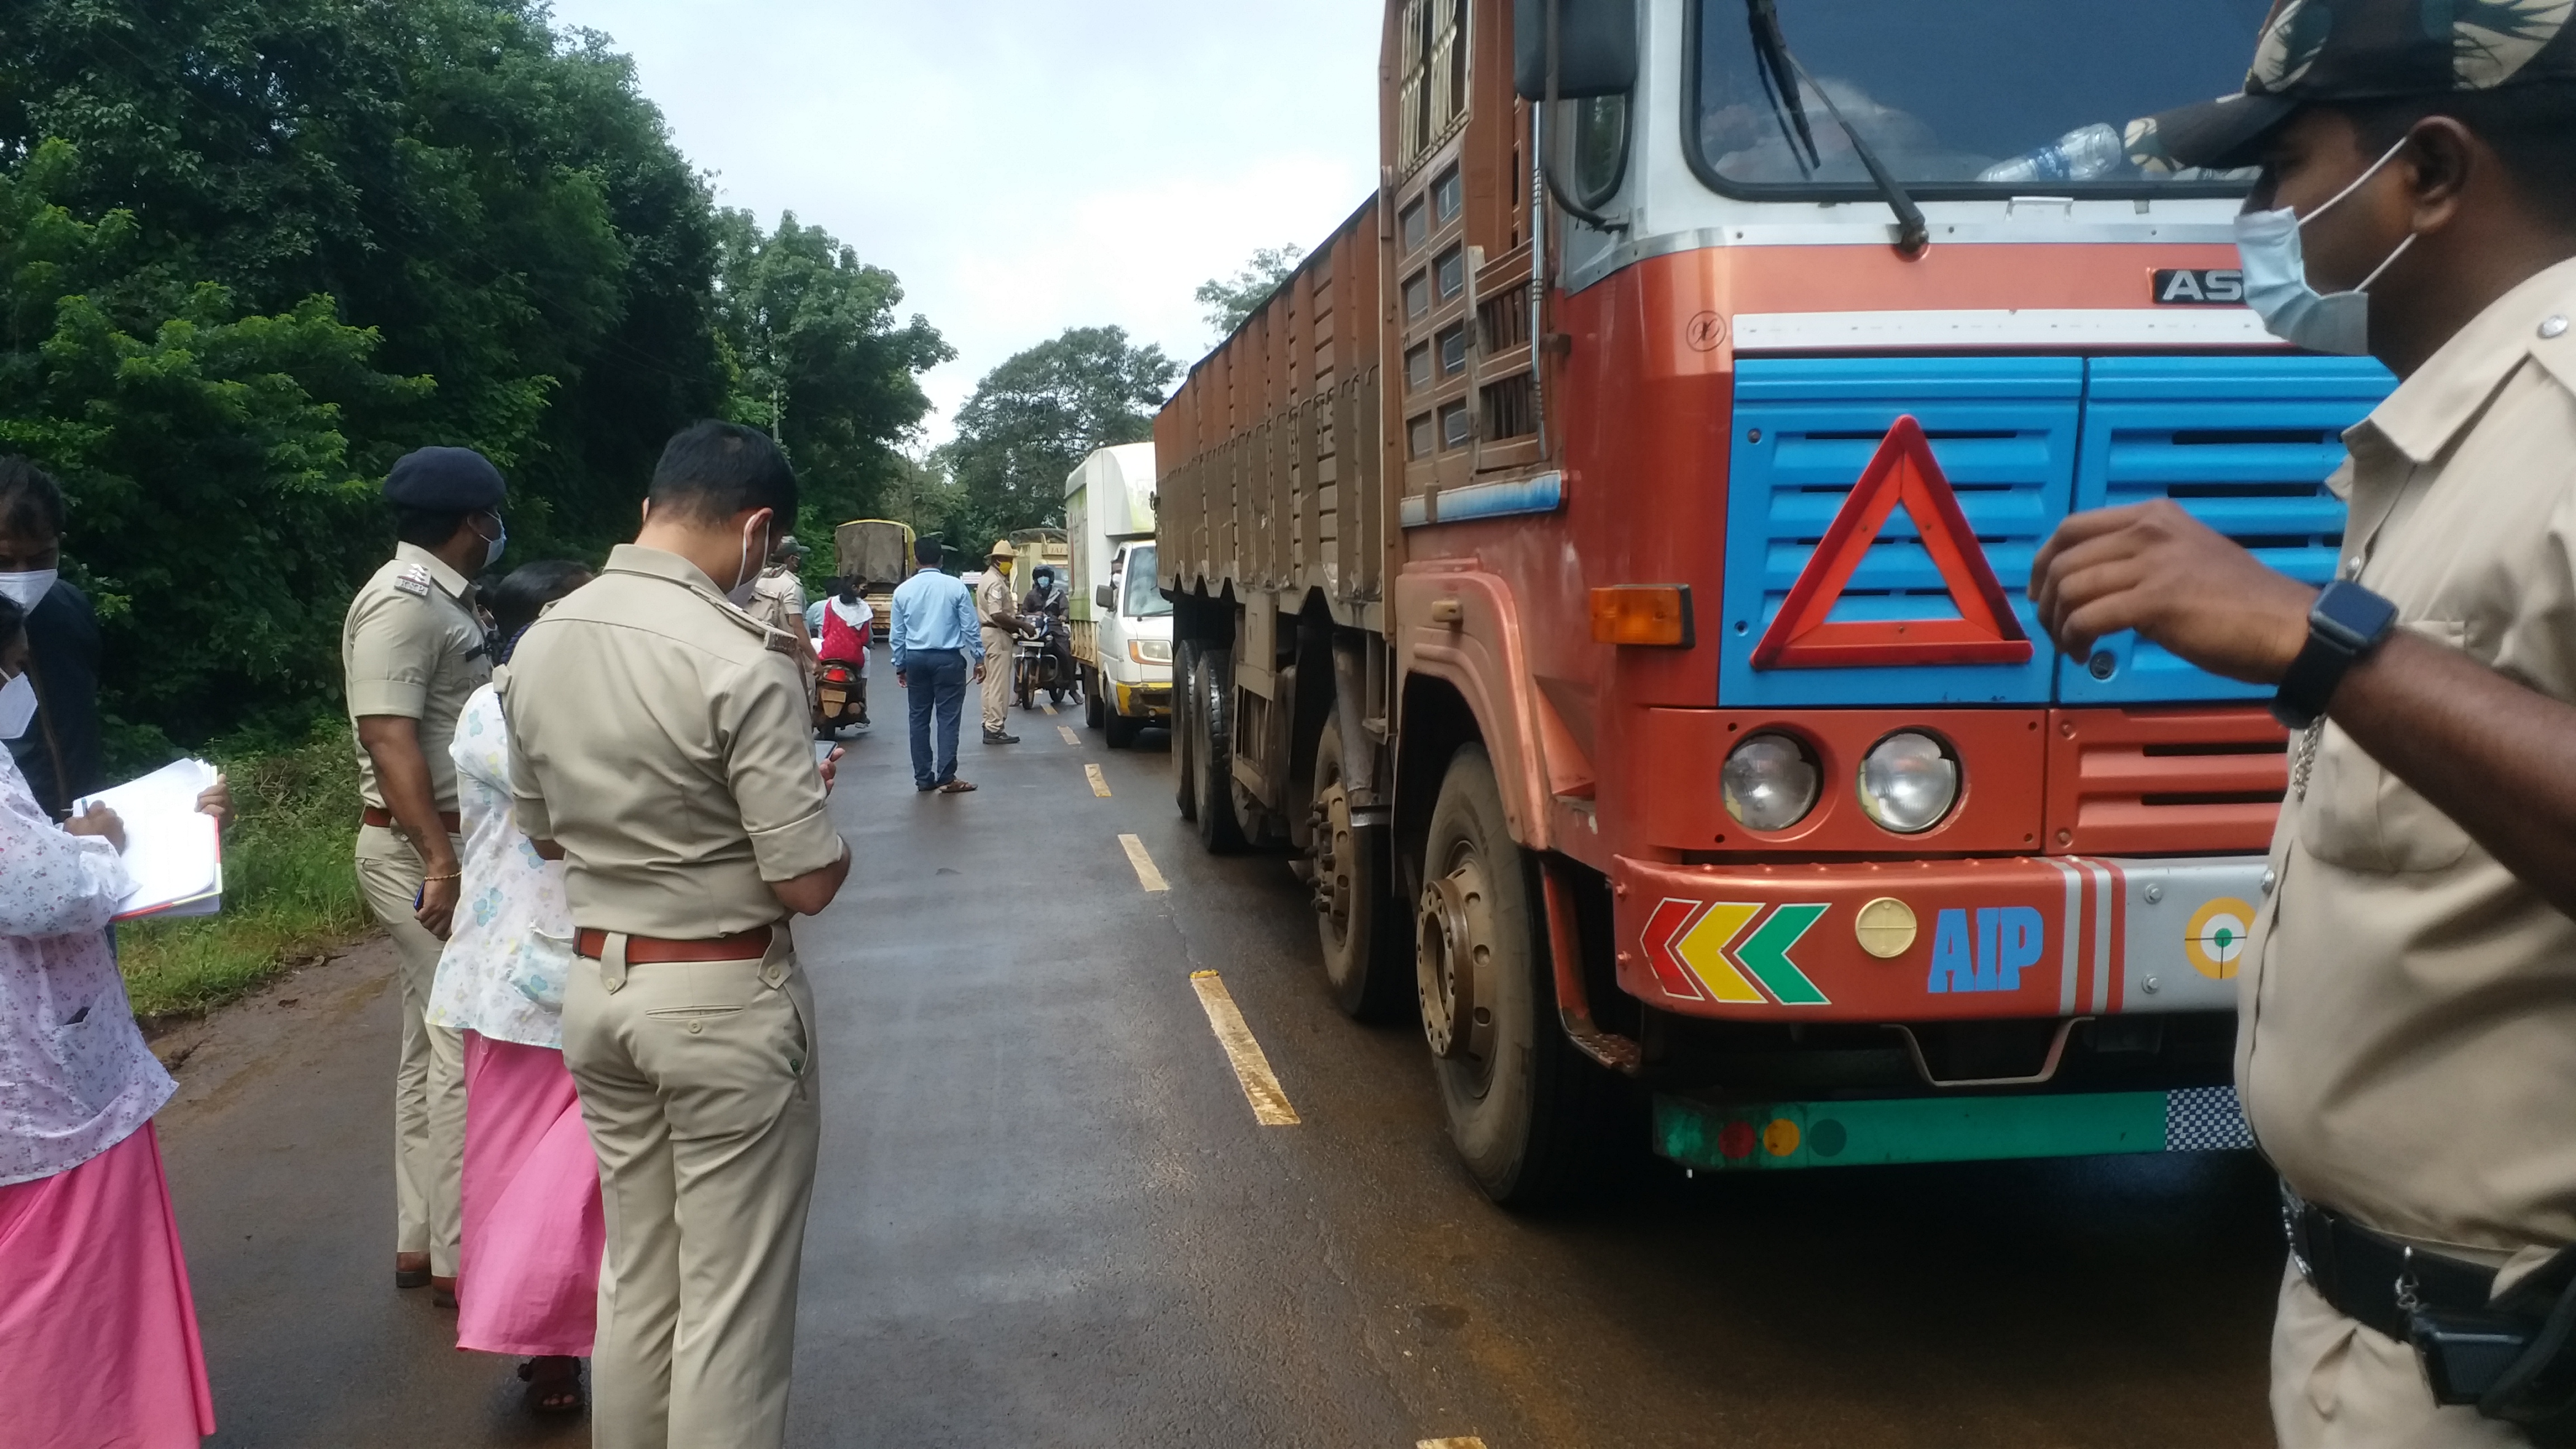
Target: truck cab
{"x": 1122, "y": 624}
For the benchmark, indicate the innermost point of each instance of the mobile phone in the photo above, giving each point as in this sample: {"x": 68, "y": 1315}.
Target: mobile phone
{"x": 2465, "y": 1353}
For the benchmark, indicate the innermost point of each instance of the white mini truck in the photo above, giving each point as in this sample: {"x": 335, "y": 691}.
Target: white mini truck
{"x": 1122, "y": 624}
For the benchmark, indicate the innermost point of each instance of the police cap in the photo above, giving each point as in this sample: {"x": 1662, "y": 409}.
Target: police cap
{"x": 445, "y": 480}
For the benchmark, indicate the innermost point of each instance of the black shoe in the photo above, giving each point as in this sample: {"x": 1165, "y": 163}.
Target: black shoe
{"x": 992, "y": 738}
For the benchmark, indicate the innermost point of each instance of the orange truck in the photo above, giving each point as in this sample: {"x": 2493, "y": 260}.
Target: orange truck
{"x": 1603, "y": 565}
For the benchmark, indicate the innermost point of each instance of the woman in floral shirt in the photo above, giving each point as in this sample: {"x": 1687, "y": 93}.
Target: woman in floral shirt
{"x": 528, "y": 1267}
{"x": 98, "y": 1335}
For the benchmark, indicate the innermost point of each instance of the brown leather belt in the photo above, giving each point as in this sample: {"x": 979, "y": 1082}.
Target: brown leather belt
{"x": 383, "y": 819}
{"x": 651, "y": 950}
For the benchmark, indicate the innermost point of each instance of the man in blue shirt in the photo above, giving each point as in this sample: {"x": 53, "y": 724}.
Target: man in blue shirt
{"x": 932, "y": 631}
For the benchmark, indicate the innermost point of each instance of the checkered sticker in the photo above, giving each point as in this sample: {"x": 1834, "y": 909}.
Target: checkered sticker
{"x": 2205, "y": 1119}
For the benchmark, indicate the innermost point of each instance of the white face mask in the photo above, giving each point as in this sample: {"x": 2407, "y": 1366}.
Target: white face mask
{"x": 26, "y": 589}
{"x": 2276, "y": 277}
{"x": 747, "y": 573}
{"x": 498, "y": 541}
{"x": 17, "y": 707}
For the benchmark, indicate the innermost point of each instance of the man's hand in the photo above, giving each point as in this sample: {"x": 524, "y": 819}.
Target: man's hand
{"x": 217, "y": 800}
{"x": 899, "y": 680}
{"x": 831, "y": 767}
{"x": 2156, "y": 569}
{"x": 437, "y": 913}
{"x": 101, "y": 822}
{"x": 979, "y": 671}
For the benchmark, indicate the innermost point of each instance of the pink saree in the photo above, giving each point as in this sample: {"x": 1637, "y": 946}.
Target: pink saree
{"x": 528, "y": 1274}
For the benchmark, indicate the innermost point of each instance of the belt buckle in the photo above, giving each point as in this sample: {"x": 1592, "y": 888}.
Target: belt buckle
{"x": 2291, "y": 1209}
{"x": 2409, "y": 1292}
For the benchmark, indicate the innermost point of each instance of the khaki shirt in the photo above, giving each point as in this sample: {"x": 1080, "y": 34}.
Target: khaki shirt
{"x": 996, "y": 607}
{"x": 2406, "y": 1047}
{"x": 659, "y": 735}
{"x": 778, "y": 599}
{"x": 412, "y": 646}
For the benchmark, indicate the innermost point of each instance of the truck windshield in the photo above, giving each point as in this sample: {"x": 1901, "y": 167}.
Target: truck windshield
{"x": 1143, "y": 600}
{"x": 1964, "y": 98}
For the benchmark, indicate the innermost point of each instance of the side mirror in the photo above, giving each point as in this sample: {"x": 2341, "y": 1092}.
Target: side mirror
{"x": 1596, "y": 48}
{"x": 1101, "y": 597}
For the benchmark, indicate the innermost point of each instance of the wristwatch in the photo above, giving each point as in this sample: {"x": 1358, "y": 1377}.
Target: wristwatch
{"x": 2346, "y": 622}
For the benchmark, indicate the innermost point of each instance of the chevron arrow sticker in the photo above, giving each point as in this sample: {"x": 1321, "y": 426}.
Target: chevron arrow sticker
{"x": 1703, "y": 950}
{"x": 1671, "y": 917}
{"x": 1766, "y": 955}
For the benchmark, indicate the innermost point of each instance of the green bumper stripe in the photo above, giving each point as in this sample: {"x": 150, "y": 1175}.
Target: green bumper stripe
{"x": 1912, "y": 1129}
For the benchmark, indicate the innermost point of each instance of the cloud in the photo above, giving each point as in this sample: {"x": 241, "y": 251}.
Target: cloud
{"x": 1024, "y": 166}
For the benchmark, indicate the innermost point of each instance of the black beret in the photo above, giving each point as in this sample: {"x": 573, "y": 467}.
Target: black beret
{"x": 445, "y": 480}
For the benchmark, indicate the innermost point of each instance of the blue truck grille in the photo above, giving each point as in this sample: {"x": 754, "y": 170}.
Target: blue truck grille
{"x": 2243, "y": 442}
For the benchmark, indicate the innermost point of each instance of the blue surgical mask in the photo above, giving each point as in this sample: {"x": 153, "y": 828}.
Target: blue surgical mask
{"x": 2276, "y": 277}
{"x": 498, "y": 541}
{"x": 17, "y": 706}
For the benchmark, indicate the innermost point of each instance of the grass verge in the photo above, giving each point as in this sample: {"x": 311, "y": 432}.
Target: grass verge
{"x": 290, "y": 893}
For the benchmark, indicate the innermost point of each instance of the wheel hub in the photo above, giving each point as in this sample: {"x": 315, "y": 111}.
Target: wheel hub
{"x": 1332, "y": 878}
{"x": 1452, "y": 950}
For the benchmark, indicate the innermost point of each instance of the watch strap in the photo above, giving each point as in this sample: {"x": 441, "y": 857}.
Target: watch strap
{"x": 2346, "y": 622}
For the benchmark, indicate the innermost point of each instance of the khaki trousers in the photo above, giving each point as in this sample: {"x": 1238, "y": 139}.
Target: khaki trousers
{"x": 998, "y": 651}
{"x": 2339, "y": 1385}
{"x": 429, "y": 1076}
{"x": 698, "y": 1085}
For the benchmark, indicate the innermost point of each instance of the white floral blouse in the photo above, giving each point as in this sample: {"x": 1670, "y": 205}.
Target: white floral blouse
{"x": 75, "y": 1076}
{"x": 502, "y": 974}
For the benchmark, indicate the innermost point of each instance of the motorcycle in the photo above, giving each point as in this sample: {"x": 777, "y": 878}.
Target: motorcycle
{"x": 1038, "y": 660}
{"x": 841, "y": 694}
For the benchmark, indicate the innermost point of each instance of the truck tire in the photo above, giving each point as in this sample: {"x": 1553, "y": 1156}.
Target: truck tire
{"x": 1358, "y": 920}
{"x": 1185, "y": 674}
{"x": 1093, "y": 711}
{"x": 1520, "y": 1103}
{"x": 1122, "y": 730}
{"x": 1212, "y": 752}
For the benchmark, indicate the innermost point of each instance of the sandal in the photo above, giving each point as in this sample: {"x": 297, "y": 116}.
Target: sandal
{"x": 955, "y": 787}
{"x": 411, "y": 1270}
{"x": 553, "y": 1393}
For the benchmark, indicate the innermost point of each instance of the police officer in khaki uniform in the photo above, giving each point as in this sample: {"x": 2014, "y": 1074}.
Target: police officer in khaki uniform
{"x": 660, "y": 747}
{"x": 411, "y": 651}
{"x": 2406, "y": 1045}
{"x": 999, "y": 610}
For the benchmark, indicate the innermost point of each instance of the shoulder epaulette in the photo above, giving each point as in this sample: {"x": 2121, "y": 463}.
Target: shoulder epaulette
{"x": 415, "y": 580}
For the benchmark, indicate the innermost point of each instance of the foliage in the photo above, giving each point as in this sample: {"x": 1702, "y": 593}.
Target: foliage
{"x": 289, "y": 893}
{"x": 821, "y": 361}
{"x": 1035, "y": 417}
{"x": 211, "y": 425}
{"x": 256, "y": 249}
{"x": 1229, "y": 300}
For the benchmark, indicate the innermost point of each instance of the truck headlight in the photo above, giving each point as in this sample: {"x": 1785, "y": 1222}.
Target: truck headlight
{"x": 1769, "y": 782}
{"x": 1908, "y": 782}
{"x": 1150, "y": 651}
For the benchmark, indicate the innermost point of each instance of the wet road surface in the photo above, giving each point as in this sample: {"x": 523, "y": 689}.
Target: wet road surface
{"x": 1046, "y": 1213}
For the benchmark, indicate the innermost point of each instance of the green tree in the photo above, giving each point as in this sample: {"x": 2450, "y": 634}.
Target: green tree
{"x": 216, "y": 508}
{"x": 1229, "y": 300}
{"x": 821, "y": 360}
{"x": 1032, "y": 419}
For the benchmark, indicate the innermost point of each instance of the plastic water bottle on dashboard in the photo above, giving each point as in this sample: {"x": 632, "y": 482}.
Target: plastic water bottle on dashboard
{"x": 2079, "y": 155}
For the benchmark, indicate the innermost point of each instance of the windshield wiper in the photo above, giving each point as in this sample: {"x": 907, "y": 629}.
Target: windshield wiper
{"x": 1783, "y": 77}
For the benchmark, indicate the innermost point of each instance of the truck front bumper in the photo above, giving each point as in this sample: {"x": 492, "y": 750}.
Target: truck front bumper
{"x": 1915, "y": 941}
{"x": 1145, "y": 701}
{"x": 1723, "y": 1137}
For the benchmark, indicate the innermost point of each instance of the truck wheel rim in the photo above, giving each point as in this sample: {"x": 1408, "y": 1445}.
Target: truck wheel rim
{"x": 1333, "y": 861}
{"x": 1453, "y": 957}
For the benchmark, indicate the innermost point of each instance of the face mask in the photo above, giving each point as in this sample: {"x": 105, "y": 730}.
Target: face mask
{"x": 27, "y": 589}
{"x": 746, "y": 573}
{"x": 2276, "y": 278}
{"x": 492, "y": 546}
{"x": 17, "y": 707}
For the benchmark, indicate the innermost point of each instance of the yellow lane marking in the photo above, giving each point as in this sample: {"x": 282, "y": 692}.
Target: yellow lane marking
{"x": 1251, "y": 1068}
{"x": 1099, "y": 782}
{"x": 1146, "y": 876}
{"x": 1048, "y": 707}
{"x": 1469, "y": 1441}
{"x": 1070, "y": 737}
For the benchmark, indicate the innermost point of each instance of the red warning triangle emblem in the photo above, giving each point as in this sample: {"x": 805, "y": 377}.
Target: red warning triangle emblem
{"x": 1802, "y": 636}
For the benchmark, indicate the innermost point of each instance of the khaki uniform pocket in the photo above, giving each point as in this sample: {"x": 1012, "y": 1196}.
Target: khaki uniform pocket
{"x": 2359, "y": 816}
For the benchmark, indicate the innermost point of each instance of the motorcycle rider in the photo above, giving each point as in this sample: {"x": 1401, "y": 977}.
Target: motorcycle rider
{"x": 1047, "y": 600}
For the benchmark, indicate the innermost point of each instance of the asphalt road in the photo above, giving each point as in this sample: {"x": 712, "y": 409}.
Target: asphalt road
{"x": 1047, "y": 1214}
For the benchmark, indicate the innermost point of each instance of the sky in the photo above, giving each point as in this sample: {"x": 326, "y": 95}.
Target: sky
{"x": 1023, "y": 166}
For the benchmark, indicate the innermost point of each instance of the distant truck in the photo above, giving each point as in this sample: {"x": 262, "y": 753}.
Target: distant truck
{"x": 877, "y": 553}
{"x": 1602, "y": 562}
{"x": 1122, "y": 624}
